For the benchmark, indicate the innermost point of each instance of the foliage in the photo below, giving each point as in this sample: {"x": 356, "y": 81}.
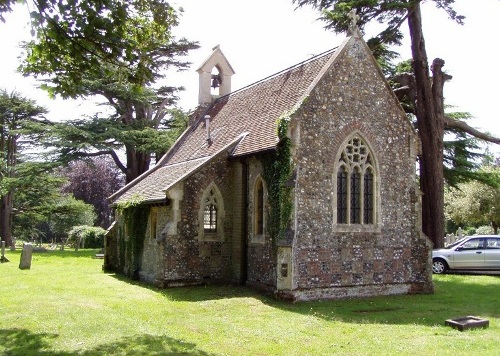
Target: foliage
{"x": 101, "y": 136}
{"x": 36, "y": 190}
{"x": 462, "y": 155}
{"x": 277, "y": 170}
{"x": 20, "y": 120}
{"x": 136, "y": 220}
{"x": 118, "y": 51}
{"x": 475, "y": 203}
{"x": 80, "y": 36}
{"x": 86, "y": 236}
{"x": 484, "y": 230}
{"x": 391, "y": 12}
{"x": 78, "y": 309}
{"x": 93, "y": 181}
{"x": 66, "y": 212}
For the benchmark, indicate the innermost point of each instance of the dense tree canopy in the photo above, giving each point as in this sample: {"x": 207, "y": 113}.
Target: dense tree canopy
{"x": 20, "y": 123}
{"x": 475, "y": 203}
{"x": 93, "y": 181}
{"x": 423, "y": 87}
{"x": 117, "y": 50}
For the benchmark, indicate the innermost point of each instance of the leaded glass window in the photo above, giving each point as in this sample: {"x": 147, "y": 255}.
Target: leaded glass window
{"x": 355, "y": 184}
{"x": 210, "y": 213}
{"x": 342, "y": 195}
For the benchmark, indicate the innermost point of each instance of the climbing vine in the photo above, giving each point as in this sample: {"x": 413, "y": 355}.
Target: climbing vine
{"x": 136, "y": 216}
{"x": 277, "y": 171}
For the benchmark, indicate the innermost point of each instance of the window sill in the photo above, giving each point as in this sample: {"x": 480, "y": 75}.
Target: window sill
{"x": 356, "y": 228}
{"x": 210, "y": 237}
{"x": 258, "y": 239}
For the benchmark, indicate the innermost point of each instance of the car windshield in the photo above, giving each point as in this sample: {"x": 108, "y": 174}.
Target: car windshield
{"x": 456, "y": 243}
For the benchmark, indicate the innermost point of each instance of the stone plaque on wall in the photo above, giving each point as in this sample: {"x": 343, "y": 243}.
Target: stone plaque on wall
{"x": 284, "y": 268}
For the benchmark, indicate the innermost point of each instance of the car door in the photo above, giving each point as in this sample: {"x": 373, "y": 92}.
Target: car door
{"x": 492, "y": 253}
{"x": 469, "y": 254}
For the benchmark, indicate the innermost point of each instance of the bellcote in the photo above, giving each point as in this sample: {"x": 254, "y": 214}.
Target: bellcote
{"x": 215, "y": 77}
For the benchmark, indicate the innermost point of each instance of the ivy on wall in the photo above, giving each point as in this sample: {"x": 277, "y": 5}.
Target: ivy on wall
{"x": 135, "y": 215}
{"x": 277, "y": 171}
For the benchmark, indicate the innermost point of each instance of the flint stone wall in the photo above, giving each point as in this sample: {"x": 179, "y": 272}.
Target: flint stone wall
{"x": 334, "y": 260}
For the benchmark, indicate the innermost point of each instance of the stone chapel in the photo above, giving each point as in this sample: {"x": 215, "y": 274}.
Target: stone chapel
{"x": 302, "y": 184}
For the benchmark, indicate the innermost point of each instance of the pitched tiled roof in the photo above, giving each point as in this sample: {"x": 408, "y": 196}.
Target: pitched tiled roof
{"x": 247, "y": 118}
{"x": 254, "y": 109}
{"x": 151, "y": 187}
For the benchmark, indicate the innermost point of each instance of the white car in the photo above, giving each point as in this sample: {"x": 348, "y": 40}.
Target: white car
{"x": 480, "y": 252}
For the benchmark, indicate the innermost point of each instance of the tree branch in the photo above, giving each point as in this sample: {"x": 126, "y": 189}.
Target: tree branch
{"x": 461, "y": 125}
{"x": 112, "y": 153}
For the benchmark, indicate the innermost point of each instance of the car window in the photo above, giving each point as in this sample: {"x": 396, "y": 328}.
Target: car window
{"x": 493, "y": 243}
{"x": 456, "y": 243}
{"x": 472, "y": 244}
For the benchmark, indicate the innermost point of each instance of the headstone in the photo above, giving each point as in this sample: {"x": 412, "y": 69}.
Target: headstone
{"x": 26, "y": 255}
{"x": 3, "y": 259}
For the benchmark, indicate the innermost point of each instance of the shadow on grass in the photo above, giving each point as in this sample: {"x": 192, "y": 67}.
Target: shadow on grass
{"x": 455, "y": 296}
{"x": 23, "y": 342}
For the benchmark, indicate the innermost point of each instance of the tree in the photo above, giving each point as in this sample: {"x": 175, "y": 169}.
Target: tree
{"x": 36, "y": 188}
{"x": 425, "y": 90}
{"x": 67, "y": 212}
{"x": 93, "y": 181}
{"x": 117, "y": 50}
{"x": 475, "y": 203}
{"x": 19, "y": 120}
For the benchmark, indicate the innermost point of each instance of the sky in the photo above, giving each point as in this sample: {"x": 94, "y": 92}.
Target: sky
{"x": 262, "y": 37}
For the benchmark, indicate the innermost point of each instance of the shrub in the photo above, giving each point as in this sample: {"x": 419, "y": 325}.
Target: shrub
{"x": 484, "y": 230}
{"x": 86, "y": 236}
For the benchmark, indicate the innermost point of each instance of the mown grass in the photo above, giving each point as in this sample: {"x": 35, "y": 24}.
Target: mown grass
{"x": 66, "y": 305}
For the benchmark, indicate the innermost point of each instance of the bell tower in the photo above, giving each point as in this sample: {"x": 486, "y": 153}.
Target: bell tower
{"x": 215, "y": 77}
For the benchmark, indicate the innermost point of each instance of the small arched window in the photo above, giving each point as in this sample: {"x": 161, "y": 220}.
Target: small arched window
{"x": 211, "y": 215}
{"x": 355, "y": 184}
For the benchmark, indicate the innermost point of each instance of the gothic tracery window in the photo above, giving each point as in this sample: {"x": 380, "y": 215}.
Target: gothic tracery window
{"x": 210, "y": 213}
{"x": 355, "y": 184}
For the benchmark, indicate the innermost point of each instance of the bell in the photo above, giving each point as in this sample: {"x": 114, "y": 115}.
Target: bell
{"x": 215, "y": 81}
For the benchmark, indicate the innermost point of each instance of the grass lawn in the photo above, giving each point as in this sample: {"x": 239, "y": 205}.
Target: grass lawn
{"x": 66, "y": 305}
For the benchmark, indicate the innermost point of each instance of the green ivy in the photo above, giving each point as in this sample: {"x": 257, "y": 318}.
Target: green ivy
{"x": 136, "y": 215}
{"x": 277, "y": 171}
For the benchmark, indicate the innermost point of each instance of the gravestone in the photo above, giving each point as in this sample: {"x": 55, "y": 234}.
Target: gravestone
{"x": 26, "y": 255}
{"x": 3, "y": 259}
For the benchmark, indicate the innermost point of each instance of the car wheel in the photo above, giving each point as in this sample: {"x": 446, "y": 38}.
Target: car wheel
{"x": 439, "y": 266}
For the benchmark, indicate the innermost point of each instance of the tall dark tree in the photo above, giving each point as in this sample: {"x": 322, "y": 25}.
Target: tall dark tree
{"x": 93, "y": 181}
{"x": 426, "y": 93}
{"x": 117, "y": 50}
{"x": 19, "y": 120}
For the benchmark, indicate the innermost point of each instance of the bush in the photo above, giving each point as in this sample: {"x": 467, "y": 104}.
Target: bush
{"x": 469, "y": 231}
{"x": 484, "y": 230}
{"x": 86, "y": 236}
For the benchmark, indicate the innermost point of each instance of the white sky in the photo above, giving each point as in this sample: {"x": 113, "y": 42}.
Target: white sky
{"x": 262, "y": 37}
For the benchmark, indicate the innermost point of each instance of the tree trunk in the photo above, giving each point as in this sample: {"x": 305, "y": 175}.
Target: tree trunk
{"x": 137, "y": 163}
{"x": 430, "y": 125}
{"x": 6, "y": 220}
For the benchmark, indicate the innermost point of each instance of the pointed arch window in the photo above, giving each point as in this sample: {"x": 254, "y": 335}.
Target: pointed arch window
{"x": 211, "y": 215}
{"x": 355, "y": 184}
